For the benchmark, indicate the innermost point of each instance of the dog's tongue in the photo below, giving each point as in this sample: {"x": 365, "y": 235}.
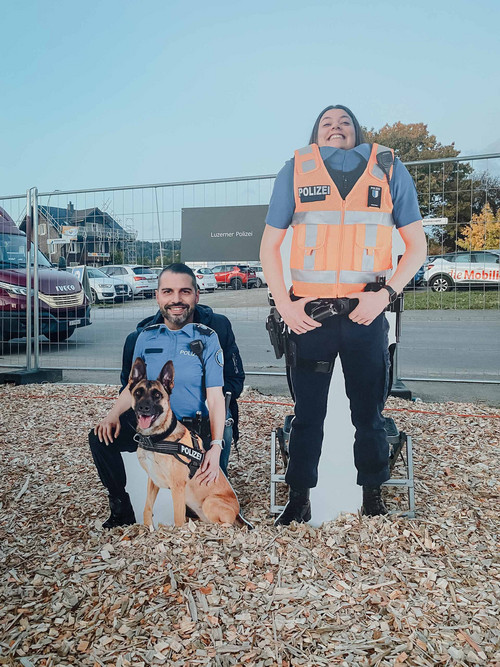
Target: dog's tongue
{"x": 145, "y": 421}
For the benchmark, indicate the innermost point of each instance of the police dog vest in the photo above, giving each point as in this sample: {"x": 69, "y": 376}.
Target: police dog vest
{"x": 340, "y": 245}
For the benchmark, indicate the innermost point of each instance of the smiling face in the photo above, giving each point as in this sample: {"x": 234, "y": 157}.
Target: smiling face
{"x": 336, "y": 129}
{"x": 176, "y": 298}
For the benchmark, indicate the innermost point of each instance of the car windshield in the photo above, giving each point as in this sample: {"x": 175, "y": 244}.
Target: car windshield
{"x": 142, "y": 270}
{"x": 13, "y": 252}
{"x": 96, "y": 273}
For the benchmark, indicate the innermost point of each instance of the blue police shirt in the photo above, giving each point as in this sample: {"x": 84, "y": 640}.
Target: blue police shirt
{"x": 158, "y": 344}
{"x": 403, "y": 192}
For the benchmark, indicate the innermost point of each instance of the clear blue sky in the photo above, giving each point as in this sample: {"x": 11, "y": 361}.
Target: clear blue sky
{"x": 121, "y": 92}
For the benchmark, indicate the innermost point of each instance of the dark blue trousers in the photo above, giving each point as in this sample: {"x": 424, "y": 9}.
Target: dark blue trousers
{"x": 364, "y": 353}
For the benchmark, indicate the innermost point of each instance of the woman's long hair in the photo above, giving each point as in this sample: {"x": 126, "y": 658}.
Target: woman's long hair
{"x": 359, "y": 137}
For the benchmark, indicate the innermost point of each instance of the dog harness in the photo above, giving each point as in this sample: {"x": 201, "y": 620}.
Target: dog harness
{"x": 339, "y": 245}
{"x": 188, "y": 446}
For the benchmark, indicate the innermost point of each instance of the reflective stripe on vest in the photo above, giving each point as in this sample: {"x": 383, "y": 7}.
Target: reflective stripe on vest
{"x": 317, "y": 218}
{"x": 335, "y": 218}
{"x": 314, "y": 276}
{"x": 325, "y": 277}
{"x": 368, "y": 218}
{"x": 338, "y": 246}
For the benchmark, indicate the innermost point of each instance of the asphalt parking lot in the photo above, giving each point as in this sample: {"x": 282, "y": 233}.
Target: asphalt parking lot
{"x": 459, "y": 346}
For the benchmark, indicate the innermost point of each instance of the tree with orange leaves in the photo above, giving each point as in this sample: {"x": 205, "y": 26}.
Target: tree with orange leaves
{"x": 483, "y": 231}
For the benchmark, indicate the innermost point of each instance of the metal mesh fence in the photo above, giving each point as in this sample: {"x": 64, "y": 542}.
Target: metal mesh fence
{"x": 449, "y": 334}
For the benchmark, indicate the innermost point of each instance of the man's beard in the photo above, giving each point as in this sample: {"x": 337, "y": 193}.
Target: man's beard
{"x": 178, "y": 320}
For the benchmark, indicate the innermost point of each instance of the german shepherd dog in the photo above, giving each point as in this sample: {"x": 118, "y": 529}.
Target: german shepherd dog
{"x": 213, "y": 503}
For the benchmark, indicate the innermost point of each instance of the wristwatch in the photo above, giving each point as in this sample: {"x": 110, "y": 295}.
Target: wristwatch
{"x": 393, "y": 295}
{"x": 218, "y": 442}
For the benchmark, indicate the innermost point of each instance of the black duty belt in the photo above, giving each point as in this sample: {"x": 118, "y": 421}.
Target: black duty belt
{"x": 157, "y": 443}
{"x": 321, "y": 309}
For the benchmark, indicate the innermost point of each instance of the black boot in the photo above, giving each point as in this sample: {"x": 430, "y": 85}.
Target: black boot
{"x": 298, "y": 508}
{"x": 122, "y": 512}
{"x": 191, "y": 514}
{"x": 373, "y": 505}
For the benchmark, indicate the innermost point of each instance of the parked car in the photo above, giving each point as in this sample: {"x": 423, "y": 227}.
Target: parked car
{"x": 104, "y": 287}
{"x": 140, "y": 279}
{"x": 462, "y": 269}
{"x": 261, "y": 279}
{"x": 235, "y": 275}
{"x": 62, "y": 303}
{"x": 205, "y": 279}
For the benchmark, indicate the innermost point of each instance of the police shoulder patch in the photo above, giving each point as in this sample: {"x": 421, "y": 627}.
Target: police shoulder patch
{"x": 203, "y": 329}
{"x": 219, "y": 357}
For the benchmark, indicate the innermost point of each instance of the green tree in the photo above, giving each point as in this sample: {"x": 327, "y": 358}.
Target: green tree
{"x": 410, "y": 141}
{"x": 485, "y": 190}
{"x": 116, "y": 257}
{"x": 445, "y": 189}
{"x": 169, "y": 257}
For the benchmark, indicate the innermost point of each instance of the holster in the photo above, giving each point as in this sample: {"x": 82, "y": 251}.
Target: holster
{"x": 276, "y": 329}
{"x": 199, "y": 426}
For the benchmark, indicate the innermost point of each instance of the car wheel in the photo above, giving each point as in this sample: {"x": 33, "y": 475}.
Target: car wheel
{"x": 61, "y": 335}
{"x": 93, "y": 295}
{"x": 258, "y": 283}
{"x": 441, "y": 283}
{"x": 236, "y": 283}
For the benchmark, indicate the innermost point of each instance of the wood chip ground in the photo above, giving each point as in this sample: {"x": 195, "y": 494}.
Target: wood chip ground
{"x": 357, "y": 591}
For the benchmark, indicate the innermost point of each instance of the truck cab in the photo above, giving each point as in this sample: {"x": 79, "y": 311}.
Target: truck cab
{"x": 63, "y": 305}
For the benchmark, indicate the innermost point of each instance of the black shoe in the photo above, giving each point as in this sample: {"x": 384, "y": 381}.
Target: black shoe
{"x": 298, "y": 508}
{"x": 122, "y": 512}
{"x": 191, "y": 514}
{"x": 373, "y": 505}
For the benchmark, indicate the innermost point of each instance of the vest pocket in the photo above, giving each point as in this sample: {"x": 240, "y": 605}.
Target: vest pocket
{"x": 372, "y": 248}
{"x": 308, "y": 247}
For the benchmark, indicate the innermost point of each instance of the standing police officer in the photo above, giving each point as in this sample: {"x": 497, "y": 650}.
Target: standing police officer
{"x": 202, "y": 368}
{"x": 342, "y": 197}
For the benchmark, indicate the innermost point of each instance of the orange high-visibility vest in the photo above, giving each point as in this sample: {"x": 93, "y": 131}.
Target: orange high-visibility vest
{"x": 339, "y": 245}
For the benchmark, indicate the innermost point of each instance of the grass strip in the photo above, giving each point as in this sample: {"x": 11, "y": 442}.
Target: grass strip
{"x": 459, "y": 299}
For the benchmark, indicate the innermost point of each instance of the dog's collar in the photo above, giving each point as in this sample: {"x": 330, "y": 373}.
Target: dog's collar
{"x": 176, "y": 448}
{"x": 151, "y": 439}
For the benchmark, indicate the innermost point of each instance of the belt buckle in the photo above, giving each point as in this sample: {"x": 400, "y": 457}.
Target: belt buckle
{"x": 322, "y": 310}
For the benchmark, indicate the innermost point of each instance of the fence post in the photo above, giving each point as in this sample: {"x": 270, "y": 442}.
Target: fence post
{"x": 36, "y": 303}
{"x": 32, "y": 313}
{"x": 29, "y": 313}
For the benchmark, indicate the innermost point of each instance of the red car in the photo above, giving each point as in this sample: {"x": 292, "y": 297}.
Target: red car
{"x": 235, "y": 275}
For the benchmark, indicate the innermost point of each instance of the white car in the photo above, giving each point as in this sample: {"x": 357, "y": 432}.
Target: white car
{"x": 205, "y": 279}
{"x": 462, "y": 269}
{"x": 106, "y": 288}
{"x": 140, "y": 279}
{"x": 261, "y": 279}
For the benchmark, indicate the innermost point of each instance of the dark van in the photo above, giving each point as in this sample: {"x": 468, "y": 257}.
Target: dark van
{"x": 63, "y": 305}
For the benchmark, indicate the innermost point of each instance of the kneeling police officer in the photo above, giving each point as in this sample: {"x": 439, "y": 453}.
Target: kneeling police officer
{"x": 207, "y": 362}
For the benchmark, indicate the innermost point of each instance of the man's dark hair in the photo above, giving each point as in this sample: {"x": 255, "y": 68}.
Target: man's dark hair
{"x": 359, "y": 137}
{"x": 179, "y": 267}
